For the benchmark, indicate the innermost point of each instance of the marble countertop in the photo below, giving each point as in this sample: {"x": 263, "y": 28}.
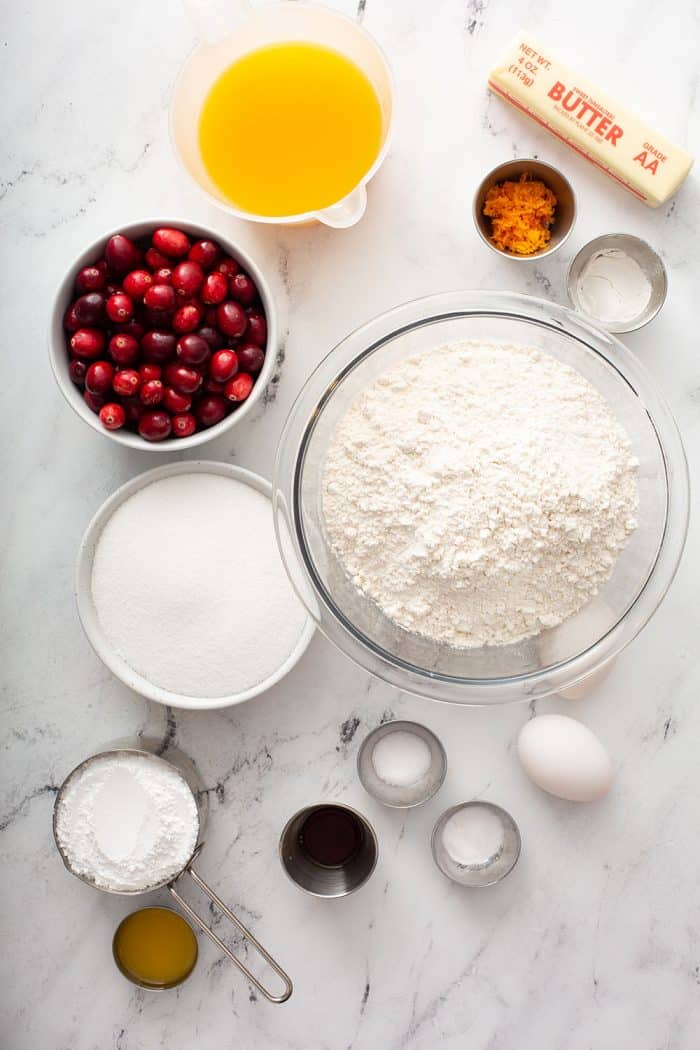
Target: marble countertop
{"x": 594, "y": 941}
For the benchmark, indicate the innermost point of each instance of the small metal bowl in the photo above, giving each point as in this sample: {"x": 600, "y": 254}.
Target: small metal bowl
{"x": 478, "y": 875}
{"x": 642, "y": 253}
{"x": 564, "y": 215}
{"x": 141, "y": 982}
{"x": 414, "y": 794}
{"x": 316, "y": 879}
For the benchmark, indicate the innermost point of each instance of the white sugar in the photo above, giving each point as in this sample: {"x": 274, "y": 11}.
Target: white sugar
{"x": 473, "y": 836}
{"x": 401, "y": 758}
{"x": 127, "y": 822}
{"x": 190, "y": 589}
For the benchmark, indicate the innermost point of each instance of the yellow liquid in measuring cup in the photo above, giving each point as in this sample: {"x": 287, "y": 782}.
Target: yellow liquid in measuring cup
{"x": 289, "y": 128}
{"x": 155, "y": 947}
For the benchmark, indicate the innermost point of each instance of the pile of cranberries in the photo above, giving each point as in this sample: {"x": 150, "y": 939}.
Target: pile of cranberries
{"x": 166, "y": 335}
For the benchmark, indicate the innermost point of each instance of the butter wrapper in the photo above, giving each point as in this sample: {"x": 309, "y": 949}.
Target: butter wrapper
{"x": 532, "y": 79}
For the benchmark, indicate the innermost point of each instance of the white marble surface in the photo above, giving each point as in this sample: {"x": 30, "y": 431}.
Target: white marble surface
{"x": 592, "y": 943}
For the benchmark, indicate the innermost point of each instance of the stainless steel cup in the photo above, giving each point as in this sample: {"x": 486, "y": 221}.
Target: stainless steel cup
{"x": 320, "y": 880}
{"x": 565, "y": 214}
{"x": 494, "y": 868}
{"x": 404, "y": 797}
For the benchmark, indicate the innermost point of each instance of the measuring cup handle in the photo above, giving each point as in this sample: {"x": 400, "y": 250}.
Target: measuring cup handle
{"x": 215, "y": 19}
{"x": 288, "y": 986}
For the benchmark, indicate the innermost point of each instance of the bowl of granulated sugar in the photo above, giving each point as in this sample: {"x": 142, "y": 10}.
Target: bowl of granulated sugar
{"x": 181, "y": 589}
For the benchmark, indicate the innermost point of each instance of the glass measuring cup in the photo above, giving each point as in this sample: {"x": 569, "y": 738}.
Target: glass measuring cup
{"x": 184, "y": 767}
{"x": 229, "y": 31}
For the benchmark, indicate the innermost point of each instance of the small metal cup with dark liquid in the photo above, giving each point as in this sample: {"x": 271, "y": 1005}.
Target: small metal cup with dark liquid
{"x": 328, "y": 850}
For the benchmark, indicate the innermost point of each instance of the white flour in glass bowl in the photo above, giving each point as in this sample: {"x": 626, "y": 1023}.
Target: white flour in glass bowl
{"x": 480, "y": 493}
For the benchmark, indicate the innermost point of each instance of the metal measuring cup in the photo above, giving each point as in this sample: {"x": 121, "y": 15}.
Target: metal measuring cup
{"x": 186, "y": 770}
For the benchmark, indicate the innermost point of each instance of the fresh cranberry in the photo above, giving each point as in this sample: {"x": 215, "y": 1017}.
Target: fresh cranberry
{"x": 174, "y": 401}
{"x": 212, "y": 336}
{"x": 250, "y": 357}
{"x": 223, "y": 365}
{"x": 215, "y": 289}
{"x": 137, "y": 283}
{"x": 121, "y": 254}
{"x": 173, "y": 243}
{"x": 149, "y": 371}
{"x": 93, "y": 401}
{"x": 98, "y": 378}
{"x": 90, "y": 308}
{"x": 158, "y": 346}
{"x": 77, "y": 370}
{"x": 228, "y": 266}
{"x": 184, "y": 425}
{"x": 206, "y": 253}
{"x": 238, "y": 388}
{"x": 126, "y": 382}
{"x": 90, "y": 279}
{"x": 120, "y": 308}
{"x": 231, "y": 319}
{"x": 256, "y": 332}
{"x": 112, "y": 416}
{"x": 159, "y": 319}
{"x": 70, "y": 321}
{"x": 212, "y": 386}
{"x": 160, "y": 297}
{"x": 187, "y": 318}
{"x": 210, "y": 317}
{"x": 192, "y": 349}
{"x": 164, "y": 275}
{"x": 151, "y": 392}
{"x": 155, "y": 259}
{"x": 188, "y": 278}
{"x": 185, "y": 380}
{"x": 87, "y": 342}
{"x": 133, "y": 409}
{"x": 154, "y": 426}
{"x": 123, "y": 348}
{"x": 242, "y": 289}
{"x": 132, "y": 327}
{"x": 102, "y": 266}
{"x": 210, "y": 410}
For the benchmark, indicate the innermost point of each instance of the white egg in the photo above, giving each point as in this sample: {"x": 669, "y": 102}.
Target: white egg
{"x": 565, "y": 758}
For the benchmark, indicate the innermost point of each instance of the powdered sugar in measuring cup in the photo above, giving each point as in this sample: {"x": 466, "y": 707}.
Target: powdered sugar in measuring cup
{"x": 127, "y": 821}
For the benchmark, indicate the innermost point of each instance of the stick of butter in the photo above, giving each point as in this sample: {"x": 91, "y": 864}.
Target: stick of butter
{"x": 589, "y": 121}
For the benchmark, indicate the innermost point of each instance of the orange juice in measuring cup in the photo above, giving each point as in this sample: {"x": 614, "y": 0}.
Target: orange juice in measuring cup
{"x": 284, "y": 117}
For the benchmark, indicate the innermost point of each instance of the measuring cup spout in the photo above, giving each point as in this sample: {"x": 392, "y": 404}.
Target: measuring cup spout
{"x": 215, "y": 19}
{"x": 346, "y": 212}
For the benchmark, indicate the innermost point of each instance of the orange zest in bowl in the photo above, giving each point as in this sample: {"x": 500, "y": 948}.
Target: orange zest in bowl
{"x": 521, "y": 215}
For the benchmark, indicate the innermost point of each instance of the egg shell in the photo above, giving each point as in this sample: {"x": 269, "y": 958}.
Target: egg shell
{"x": 564, "y": 758}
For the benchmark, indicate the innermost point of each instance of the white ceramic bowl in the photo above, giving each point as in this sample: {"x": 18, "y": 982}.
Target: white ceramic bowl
{"x": 60, "y": 360}
{"x": 88, "y": 614}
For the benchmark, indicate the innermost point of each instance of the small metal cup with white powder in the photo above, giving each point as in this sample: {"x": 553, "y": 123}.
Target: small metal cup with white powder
{"x": 618, "y": 280}
{"x": 401, "y": 764}
{"x": 476, "y": 843}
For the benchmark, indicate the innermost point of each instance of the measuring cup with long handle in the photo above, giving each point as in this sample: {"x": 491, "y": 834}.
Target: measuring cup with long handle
{"x": 182, "y": 765}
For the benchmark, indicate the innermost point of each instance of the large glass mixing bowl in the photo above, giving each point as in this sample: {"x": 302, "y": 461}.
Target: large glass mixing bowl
{"x": 556, "y": 658}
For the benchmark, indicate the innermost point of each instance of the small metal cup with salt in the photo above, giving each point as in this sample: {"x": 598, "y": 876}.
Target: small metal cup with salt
{"x": 476, "y": 843}
{"x": 401, "y": 764}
